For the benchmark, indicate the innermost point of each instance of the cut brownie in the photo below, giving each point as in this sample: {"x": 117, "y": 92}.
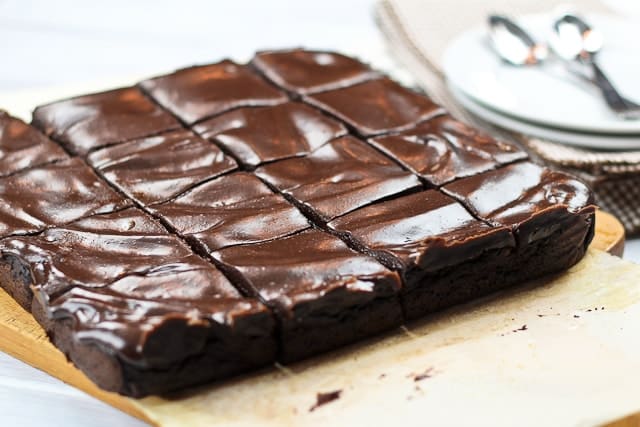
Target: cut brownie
{"x": 322, "y": 240}
{"x": 91, "y": 121}
{"x": 325, "y": 294}
{"x": 423, "y": 235}
{"x": 376, "y": 106}
{"x": 133, "y": 307}
{"x": 51, "y": 195}
{"x": 231, "y": 210}
{"x": 259, "y": 135}
{"x": 342, "y": 176}
{"x": 443, "y": 149}
{"x": 22, "y": 146}
{"x": 306, "y": 71}
{"x": 158, "y": 168}
{"x": 196, "y": 93}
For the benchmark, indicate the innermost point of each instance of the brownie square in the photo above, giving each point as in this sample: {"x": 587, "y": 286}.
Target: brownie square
{"x": 308, "y": 71}
{"x": 231, "y": 210}
{"x": 53, "y": 194}
{"x": 376, "y": 106}
{"x": 88, "y": 122}
{"x": 158, "y": 168}
{"x": 23, "y": 147}
{"x": 325, "y": 294}
{"x": 196, "y": 93}
{"x": 442, "y": 150}
{"x": 259, "y": 135}
{"x": 532, "y": 200}
{"x": 421, "y": 235}
{"x": 134, "y": 308}
{"x": 339, "y": 177}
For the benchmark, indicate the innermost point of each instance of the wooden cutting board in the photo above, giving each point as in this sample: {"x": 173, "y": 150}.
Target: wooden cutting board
{"x": 555, "y": 353}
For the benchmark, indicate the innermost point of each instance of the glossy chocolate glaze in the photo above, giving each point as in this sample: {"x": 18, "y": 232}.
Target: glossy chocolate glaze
{"x": 258, "y": 135}
{"x": 342, "y": 176}
{"x": 306, "y": 71}
{"x": 231, "y": 210}
{"x": 199, "y": 92}
{"x": 22, "y": 146}
{"x": 158, "y": 168}
{"x": 425, "y": 230}
{"x": 309, "y": 264}
{"x": 526, "y": 197}
{"x": 376, "y": 107}
{"x": 53, "y": 194}
{"x": 442, "y": 150}
{"x": 91, "y": 121}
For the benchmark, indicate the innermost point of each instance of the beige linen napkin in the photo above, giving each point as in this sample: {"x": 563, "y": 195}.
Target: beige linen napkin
{"x": 418, "y": 32}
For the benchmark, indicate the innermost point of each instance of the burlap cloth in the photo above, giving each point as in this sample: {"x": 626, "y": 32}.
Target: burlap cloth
{"x": 418, "y": 32}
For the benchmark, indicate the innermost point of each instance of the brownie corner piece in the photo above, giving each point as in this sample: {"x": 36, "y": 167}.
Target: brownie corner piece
{"x": 133, "y": 307}
{"x": 87, "y": 122}
{"x": 445, "y": 255}
{"x": 551, "y": 214}
{"x": 304, "y": 71}
{"x": 203, "y": 91}
{"x": 23, "y": 147}
{"x": 157, "y": 168}
{"x": 376, "y": 107}
{"x": 53, "y": 194}
{"x": 325, "y": 294}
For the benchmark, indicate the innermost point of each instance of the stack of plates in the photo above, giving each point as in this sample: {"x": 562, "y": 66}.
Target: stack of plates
{"x": 547, "y": 101}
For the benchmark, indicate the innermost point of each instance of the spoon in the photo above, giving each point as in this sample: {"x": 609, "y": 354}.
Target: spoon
{"x": 513, "y": 43}
{"x": 575, "y": 40}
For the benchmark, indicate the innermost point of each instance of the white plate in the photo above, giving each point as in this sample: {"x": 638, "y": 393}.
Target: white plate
{"x": 547, "y": 94}
{"x": 591, "y": 140}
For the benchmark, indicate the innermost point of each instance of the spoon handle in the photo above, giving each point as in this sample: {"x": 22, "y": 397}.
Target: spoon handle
{"x": 610, "y": 93}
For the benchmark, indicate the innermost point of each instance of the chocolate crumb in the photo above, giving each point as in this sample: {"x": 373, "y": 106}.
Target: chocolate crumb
{"x": 428, "y": 373}
{"x": 381, "y": 376}
{"x": 324, "y": 398}
{"x": 576, "y": 316}
{"x": 522, "y": 328}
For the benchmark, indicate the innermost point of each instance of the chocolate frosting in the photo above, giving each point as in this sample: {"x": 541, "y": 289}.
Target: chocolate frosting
{"x": 258, "y": 135}
{"x": 307, "y": 71}
{"x": 342, "y": 176}
{"x": 22, "y": 146}
{"x": 310, "y": 265}
{"x": 376, "y": 106}
{"x": 511, "y": 195}
{"x": 427, "y": 230}
{"x": 442, "y": 150}
{"x": 51, "y": 195}
{"x": 88, "y": 122}
{"x": 196, "y": 93}
{"x": 158, "y": 168}
{"x": 524, "y": 196}
{"x": 231, "y": 210}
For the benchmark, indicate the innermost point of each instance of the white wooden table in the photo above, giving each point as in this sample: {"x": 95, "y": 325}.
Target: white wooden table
{"x": 45, "y": 43}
